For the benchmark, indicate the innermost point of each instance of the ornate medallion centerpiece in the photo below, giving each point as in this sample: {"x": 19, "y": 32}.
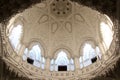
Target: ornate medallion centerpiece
{"x": 61, "y": 8}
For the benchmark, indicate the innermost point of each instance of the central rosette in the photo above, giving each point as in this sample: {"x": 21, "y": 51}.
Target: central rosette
{"x": 61, "y": 8}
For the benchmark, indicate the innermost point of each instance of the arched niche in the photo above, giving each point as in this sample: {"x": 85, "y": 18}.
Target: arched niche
{"x": 14, "y": 32}
{"x": 106, "y": 31}
{"x": 15, "y": 36}
{"x": 62, "y": 61}
{"x": 39, "y": 42}
{"x": 64, "y": 50}
{"x": 89, "y": 41}
{"x": 53, "y": 52}
{"x": 34, "y": 55}
{"x": 89, "y": 53}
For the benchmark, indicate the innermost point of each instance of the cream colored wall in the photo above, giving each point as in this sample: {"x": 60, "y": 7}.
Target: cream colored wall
{"x": 55, "y": 33}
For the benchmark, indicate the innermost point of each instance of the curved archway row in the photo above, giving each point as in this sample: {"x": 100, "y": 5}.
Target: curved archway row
{"x": 34, "y": 55}
{"x": 90, "y": 52}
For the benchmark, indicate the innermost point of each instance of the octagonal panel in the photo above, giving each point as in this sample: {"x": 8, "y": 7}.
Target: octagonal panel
{"x": 61, "y": 8}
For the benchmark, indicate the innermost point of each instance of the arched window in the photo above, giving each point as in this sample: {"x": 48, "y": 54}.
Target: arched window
{"x": 62, "y": 62}
{"x": 34, "y": 56}
{"x": 62, "y": 59}
{"x": 107, "y": 34}
{"x": 14, "y": 36}
{"x": 90, "y": 55}
{"x": 35, "y": 53}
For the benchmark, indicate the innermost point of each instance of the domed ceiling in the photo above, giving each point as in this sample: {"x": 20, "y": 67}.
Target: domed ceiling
{"x": 60, "y": 25}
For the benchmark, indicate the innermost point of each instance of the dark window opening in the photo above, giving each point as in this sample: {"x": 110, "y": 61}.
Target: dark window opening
{"x": 62, "y": 68}
{"x": 30, "y": 61}
{"x": 94, "y": 59}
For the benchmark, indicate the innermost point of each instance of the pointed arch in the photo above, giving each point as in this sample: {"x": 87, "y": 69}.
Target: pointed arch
{"x": 90, "y": 54}
{"x": 35, "y": 53}
{"x": 34, "y": 56}
{"x": 62, "y": 59}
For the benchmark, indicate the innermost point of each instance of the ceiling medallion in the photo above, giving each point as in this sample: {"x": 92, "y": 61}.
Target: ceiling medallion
{"x": 61, "y": 8}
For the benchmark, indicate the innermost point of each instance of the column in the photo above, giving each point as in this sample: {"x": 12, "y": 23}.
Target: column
{"x": 69, "y": 66}
{"x": 101, "y": 47}
{"x": 47, "y": 65}
{"x": 82, "y": 62}
{"x": 53, "y": 65}
{"x": 20, "y": 53}
{"x": 77, "y": 63}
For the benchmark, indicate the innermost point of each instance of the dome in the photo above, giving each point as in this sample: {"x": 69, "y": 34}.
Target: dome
{"x": 59, "y": 38}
